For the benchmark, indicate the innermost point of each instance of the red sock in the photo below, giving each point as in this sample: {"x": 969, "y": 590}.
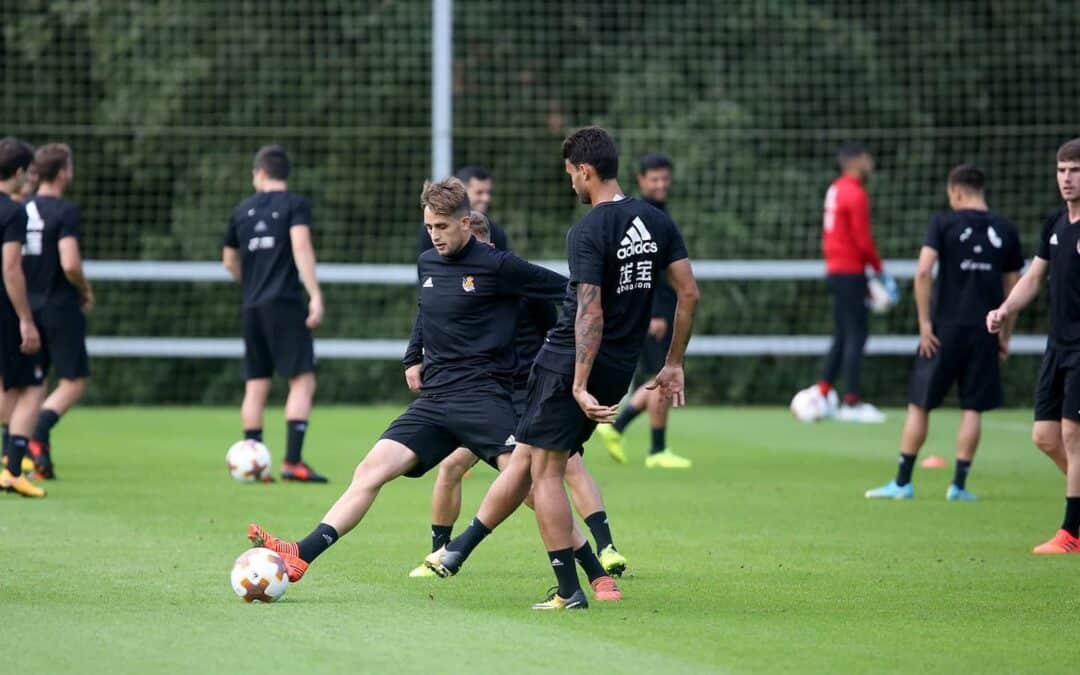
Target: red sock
{"x": 851, "y": 399}
{"x": 824, "y": 387}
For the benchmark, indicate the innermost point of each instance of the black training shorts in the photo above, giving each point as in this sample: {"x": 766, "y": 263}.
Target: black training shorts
{"x": 481, "y": 419}
{"x": 63, "y": 342}
{"x": 1057, "y": 393}
{"x": 654, "y": 354}
{"x": 968, "y": 356}
{"x": 20, "y": 370}
{"x": 553, "y": 420}
{"x": 276, "y": 337}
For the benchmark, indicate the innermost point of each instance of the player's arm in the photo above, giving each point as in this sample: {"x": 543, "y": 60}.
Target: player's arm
{"x": 1009, "y": 281}
{"x": 304, "y": 255}
{"x": 860, "y": 230}
{"x": 1022, "y": 294}
{"x": 71, "y": 263}
{"x": 520, "y": 277}
{"x": 588, "y": 333}
{"x": 15, "y": 283}
{"x": 924, "y": 281}
{"x": 230, "y": 259}
{"x": 671, "y": 378}
{"x": 414, "y": 354}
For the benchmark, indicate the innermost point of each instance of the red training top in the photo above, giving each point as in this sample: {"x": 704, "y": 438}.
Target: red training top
{"x": 845, "y": 238}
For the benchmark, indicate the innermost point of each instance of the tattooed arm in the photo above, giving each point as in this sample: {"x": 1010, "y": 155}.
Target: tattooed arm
{"x": 588, "y": 332}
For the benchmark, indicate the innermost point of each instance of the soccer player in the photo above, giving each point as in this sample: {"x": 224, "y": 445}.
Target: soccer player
{"x": 588, "y": 361}
{"x": 268, "y": 249}
{"x": 1057, "y": 394}
{"x": 534, "y": 319}
{"x": 469, "y": 299}
{"x": 849, "y": 249}
{"x": 654, "y": 182}
{"x": 479, "y": 184}
{"x": 19, "y": 338}
{"x": 60, "y": 294}
{"x": 979, "y": 261}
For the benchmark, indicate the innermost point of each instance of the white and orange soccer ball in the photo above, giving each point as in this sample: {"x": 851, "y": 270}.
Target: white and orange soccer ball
{"x": 248, "y": 461}
{"x": 809, "y": 405}
{"x": 260, "y": 575}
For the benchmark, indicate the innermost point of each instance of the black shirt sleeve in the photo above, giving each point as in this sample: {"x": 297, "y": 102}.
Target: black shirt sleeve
{"x": 1014, "y": 255}
{"x": 518, "y": 277}
{"x": 1043, "y": 250}
{"x": 300, "y": 212}
{"x": 71, "y": 224}
{"x": 543, "y": 314}
{"x": 232, "y": 240}
{"x": 586, "y": 253}
{"x": 15, "y": 231}
{"x": 676, "y": 249}
{"x": 414, "y": 353}
{"x": 933, "y": 237}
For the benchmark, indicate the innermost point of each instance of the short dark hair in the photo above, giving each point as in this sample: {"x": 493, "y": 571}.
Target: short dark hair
{"x": 274, "y": 161}
{"x": 654, "y": 161}
{"x": 967, "y": 176}
{"x": 849, "y": 151}
{"x": 1069, "y": 151}
{"x": 593, "y": 146}
{"x": 50, "y": 160}
{"x": 472, "y": 172}
{"x": 14, "y": 155}
{"x": 446, "y": 197}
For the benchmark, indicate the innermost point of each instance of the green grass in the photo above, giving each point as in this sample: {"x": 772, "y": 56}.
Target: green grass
{"x": 764, "y": 558}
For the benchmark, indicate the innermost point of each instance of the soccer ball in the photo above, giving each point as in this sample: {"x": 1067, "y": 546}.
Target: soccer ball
{"x": 259, "y": 575}
{"x": 248, "y": 461}
{"x": 808, "y": 405}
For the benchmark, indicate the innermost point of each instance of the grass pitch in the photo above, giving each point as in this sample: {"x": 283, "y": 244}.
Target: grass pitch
{"x": 763, "y": 558}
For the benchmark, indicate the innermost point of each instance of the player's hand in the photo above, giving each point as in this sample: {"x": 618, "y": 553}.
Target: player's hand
{"x": 671, "y": 380}
{"x": 412, "y": 377}
{"x": 995, "y": 319}
{"x": 1003, "y": 347}
{"x": 315, "y": 312}
{"x": 86, "y": 302}
{"x": 602, "y": 414}
{"x": 31, "y": 340}
{"x": 658, "y": 328}
{"x": 928, "y": 342}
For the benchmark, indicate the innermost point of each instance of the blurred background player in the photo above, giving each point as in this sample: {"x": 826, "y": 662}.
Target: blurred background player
{"x": 60, "y": 295}
{"x": 268, "y": 249}
{"x": 479, "y": 184}
{"x": 19, "y": 339}
{"x": 535, "y": 318}
{"x": 979, "y": 260}
{"x": 1057, "y": 394}
{"x": 654, "y": 182}
{"x": 849, "y": 249}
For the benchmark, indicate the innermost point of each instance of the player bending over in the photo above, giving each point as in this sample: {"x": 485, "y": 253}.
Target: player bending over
{"x": 60, "y": 294}
{"x": 979, "y": 260}
{"x": 588, "y": 361}
{"x": 1057, "y": 394}
{"x": 469, "y": 299}
{"x": 654, "y": 181}
{"x": 268, "y": 250}
{"x": 19, "y": 338}
{"x": 535, "y": 318}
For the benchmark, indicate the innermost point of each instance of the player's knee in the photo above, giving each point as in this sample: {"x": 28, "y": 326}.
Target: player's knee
{"x": 452, "y": 471}
{"x": 74, "y": 388}
{"x": 1070, "y": 437}
{"x": 1046, "y": 438}
{"x": 303, "y": 385}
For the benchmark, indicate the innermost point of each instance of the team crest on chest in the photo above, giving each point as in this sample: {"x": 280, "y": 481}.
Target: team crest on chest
{"x": 468, "y": 283}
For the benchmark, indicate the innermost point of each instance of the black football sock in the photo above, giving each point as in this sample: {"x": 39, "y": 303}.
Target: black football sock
{"x": 469, "y": 539}
{"x": 598, "y": 525}
{"x": 313, "y": 545}
{"x": 629, "y": 412}
{"x": 907, "y": 465}
{"x": 294, "y": 444}
{"x": 562, "y": 562}
{"x": 17, "y": 449}
{"x": 45, "y": 422}
{"x": 590, "y": 564}
{"x": 6, "y": 438}
{"x": 659, "y": 441}
{"x": 1072, "y": 516}
{"x": 959, "y": 478}
{"x": 253, "y": 435}
{"x": 440, "y": 536}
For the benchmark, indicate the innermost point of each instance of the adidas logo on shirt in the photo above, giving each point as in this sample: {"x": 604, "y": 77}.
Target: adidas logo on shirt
{"x": 637, "y": 241}
{"x": 428, "y": 283}
{"x": 261, "y": 226}
{"x": 510, "y": 440}
{"x": 1053, "y": 239}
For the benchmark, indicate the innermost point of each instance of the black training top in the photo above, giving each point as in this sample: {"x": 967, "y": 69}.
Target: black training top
{"x": 12, "y": 229}
{"x": 1059, "y": 245}
{"x": 259, "y": 227}
{"x": 466, "y": 322}
{"x": 498, "y": 237}
{"x": 535, "y": 319}
{"x": 664, "y": 298}
{"x": 48, "y": 220}
{"x": 622, "y": 246}
{"x": 975, "y": 248}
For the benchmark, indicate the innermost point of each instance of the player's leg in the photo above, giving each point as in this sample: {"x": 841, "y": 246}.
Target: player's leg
{"x": 1067, "y": 539}
{"x": 292, "y": 348}
{"x": 7, "y": 402}
{"x": 612, "y": 434}
{"x": 1049, "y": 400}
{"x": 834, "y": 357}
{"x": 258, "y": 369}
{"x": 589, "y": 503}
{"x": 1046, "y": 435}
{"x": 23, "y": 415}
{"x": 446, "y": 502}
{"x": 297, "y": 412}
{"x": 660, "y": 456}
{"x": 967, "y": 442}
{"x": 556, "y": 522}
{"x": 386, "y": 461}
{"x": 980, "y": 390}
{"x": 63, "y": 336}
{"x": 256, "y": 391}
{"x": 916, "y": 424}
